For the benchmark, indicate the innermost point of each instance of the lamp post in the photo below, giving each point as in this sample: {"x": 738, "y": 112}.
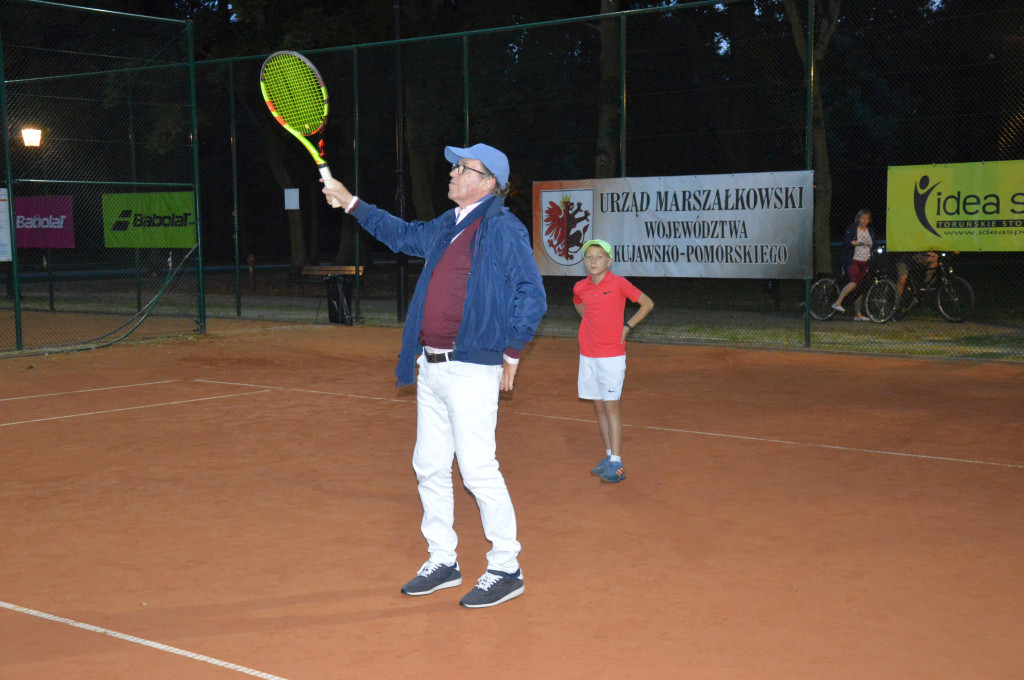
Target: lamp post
{"x": 33, "y": 137}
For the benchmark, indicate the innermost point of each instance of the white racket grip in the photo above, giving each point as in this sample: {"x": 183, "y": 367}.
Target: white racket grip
{"x": 325, "y": 172}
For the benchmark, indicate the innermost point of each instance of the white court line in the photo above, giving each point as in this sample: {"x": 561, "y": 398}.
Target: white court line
{"x": 129, "y": 408}
{"x": 94, "y": 389}
{"x": 305, "y": 391}
{"x": 662, "y": 429}
{"x": 141, "y": 641}
{"x": 767, "y": 440}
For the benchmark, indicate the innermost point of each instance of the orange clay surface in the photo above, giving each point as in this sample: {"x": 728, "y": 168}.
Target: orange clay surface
{"x": 243, "y": 505}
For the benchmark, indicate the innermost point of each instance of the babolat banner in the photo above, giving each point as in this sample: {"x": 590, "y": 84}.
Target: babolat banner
{"x": 961, "y": 206}
{"x": 44, "y": 221}
{"x": 748, "y": 226}
{"x": 151, "y": 220}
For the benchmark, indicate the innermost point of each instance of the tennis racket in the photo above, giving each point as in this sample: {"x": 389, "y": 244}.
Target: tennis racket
{"x": 296, "y": 95}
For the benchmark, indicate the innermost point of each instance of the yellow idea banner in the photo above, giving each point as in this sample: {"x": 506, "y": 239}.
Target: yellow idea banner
{"x": 961, "y": 206}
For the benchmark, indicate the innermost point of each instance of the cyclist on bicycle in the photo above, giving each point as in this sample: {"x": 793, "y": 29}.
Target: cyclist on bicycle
{"x": 856, "y": 259}
{"x": 927, "y": 261}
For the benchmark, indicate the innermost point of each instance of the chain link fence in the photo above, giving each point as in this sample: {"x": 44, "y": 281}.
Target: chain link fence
{"x": 101, "y": 196}
{"x": 684, "y": 90}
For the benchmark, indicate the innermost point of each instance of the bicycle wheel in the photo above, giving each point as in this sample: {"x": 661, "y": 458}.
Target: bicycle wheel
{"x": 823, "y": 293}
{"x": 880, "y": 300}
{"x": 955, "y": 299}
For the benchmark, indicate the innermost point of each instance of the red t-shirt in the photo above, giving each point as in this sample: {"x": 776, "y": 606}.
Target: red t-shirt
{"x": 604, "y": 308}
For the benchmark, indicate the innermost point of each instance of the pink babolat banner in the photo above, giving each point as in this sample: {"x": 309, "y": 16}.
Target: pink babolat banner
{"x": 44, "y": 222}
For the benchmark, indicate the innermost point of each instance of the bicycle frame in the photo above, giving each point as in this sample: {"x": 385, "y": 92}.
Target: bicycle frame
{"x": 825, "y": 292}
{"x": 951, "y": 295}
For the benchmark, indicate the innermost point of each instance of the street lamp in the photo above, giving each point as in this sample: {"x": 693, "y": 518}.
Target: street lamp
{"x": 31, "y": 136}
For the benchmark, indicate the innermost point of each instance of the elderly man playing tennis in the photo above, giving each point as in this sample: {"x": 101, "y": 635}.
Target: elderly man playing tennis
{"x": 477, "y": 303}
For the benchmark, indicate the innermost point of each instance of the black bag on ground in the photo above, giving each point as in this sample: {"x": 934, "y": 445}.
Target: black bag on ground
{"x": 339, "y": 292}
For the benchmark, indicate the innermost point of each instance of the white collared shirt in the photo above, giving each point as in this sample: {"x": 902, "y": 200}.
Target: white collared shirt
{"x": 461, "y": 212}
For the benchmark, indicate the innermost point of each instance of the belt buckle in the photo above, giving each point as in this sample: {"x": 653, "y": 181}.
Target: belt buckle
{"x": 437, "y": 357}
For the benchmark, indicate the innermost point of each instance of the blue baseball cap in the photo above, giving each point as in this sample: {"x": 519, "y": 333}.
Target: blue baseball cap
{"x": 495, "y": 160}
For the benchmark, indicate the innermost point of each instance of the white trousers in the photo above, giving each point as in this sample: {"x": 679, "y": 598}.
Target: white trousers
{"x": 456, "y": 416}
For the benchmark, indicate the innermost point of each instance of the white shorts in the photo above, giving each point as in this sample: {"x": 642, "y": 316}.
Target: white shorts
{"x": 601, "y": 378}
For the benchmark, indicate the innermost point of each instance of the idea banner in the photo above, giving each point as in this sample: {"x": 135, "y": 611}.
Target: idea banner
{"x": 959, "y": 206}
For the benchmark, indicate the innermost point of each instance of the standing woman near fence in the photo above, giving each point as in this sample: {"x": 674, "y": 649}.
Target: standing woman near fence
{"x": 857, "y": 243}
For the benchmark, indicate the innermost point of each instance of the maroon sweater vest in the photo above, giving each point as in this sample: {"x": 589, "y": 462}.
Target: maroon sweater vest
{"x": 446, "y": 293}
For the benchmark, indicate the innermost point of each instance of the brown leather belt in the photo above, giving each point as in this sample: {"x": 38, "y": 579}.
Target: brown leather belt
{"x": 439, "y": 357}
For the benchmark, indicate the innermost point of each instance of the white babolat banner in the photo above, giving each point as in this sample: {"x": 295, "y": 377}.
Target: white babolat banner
{"x": 749, "y": 226}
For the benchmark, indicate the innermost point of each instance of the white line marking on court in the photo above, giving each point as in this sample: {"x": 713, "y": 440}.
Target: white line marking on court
{"x": 141, "y": 641}
{"x": 130, "y": 408}
{"x": 786, "y": 441}
{"x": 95, "y": 389}
{"x": 305, "y": 391}
{"x": 663, "y": 429}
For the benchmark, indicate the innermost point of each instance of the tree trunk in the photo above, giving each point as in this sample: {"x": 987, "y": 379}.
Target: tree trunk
{"x": 606, "y": 161}
{"x": 296, "y": 234}
{"x": 273, "y": 146}
{"x": 297, "y": 239}
{"x": 315, "y": 196}
{"x": 823, "y": 185}
{"x": 421, "y": 169}
{"x": 826, "y": 23}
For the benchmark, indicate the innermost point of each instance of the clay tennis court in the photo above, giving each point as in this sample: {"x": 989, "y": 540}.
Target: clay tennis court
{"x": 243, "y": 505}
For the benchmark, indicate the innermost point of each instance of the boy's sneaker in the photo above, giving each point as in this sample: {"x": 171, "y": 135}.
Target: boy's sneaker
{"x": 494, "y": 587}
{"x": 614, "y": 472}
{"x": 605, "y": 462}
{"x": 431, "y": 577}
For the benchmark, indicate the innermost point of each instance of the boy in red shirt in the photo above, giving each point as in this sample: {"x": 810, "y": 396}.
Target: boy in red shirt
{"x": 601, "y": 301}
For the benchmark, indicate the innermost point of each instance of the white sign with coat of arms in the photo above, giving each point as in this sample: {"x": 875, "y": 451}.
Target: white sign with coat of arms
{"x": 746, "y": 226}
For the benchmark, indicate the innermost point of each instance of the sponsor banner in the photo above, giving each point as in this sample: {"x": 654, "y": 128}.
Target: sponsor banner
{"x": 149, "y": 220}
{"x": 746, "y": 226}
{"x": 44, "y": 222}
{"x": 961, "y": 206}
{"x": 5, "y": 228}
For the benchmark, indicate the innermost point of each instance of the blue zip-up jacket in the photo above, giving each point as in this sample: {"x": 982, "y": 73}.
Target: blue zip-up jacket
{"x": 505, "y": 297}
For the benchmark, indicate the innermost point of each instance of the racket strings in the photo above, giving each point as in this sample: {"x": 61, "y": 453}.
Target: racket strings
{"x": 294, "y": 94}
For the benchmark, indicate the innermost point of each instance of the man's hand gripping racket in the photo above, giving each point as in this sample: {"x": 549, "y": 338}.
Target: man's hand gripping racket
{"x": 296, "y": 95}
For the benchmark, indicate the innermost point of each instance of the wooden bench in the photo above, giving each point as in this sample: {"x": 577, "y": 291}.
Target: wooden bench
{"x": 322, "y": 270}
{"x": 317, "y": 273}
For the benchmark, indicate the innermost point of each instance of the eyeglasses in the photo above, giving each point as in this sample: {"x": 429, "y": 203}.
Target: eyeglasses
{"x": 460, "y": 169}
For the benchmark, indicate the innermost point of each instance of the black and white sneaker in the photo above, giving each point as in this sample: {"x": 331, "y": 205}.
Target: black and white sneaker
{"x": 431, "y": 577}
{"x": 494, "y": 587}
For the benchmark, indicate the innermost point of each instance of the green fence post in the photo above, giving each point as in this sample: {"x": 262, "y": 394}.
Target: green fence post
{"x": 234, "y": 189}
{"x": 809, "y": 159}
{"x": 465, "y": 90}
{"x": 357, "y": 311}
{"x": 13, "y": 272}
{"x": 195, "y": 175}
{"x": 622, "y": 95}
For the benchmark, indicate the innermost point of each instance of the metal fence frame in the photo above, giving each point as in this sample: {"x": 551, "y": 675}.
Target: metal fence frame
{"x": 43, "y": 70}
{"x": 376, "y": 115}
